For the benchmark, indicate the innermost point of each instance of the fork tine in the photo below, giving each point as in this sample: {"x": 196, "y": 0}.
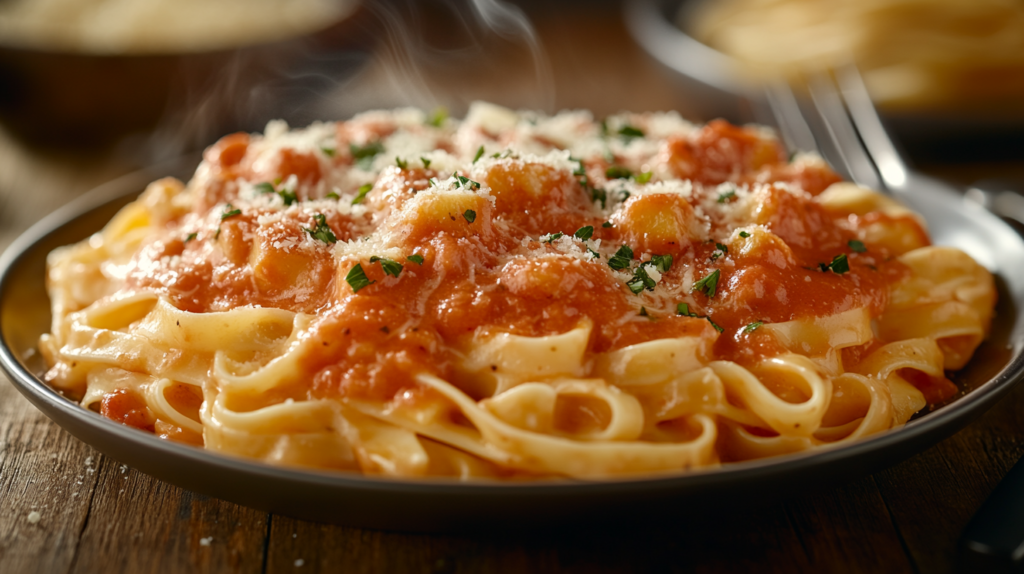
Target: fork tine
{"x": 793, "y": 128}
{"x": 873, "y": 133}
{"x": 850, "y": 156}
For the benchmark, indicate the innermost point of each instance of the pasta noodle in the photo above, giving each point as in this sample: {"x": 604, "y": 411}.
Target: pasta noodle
{"x": 914, "y": 54}
{"x": 511, "y": 296}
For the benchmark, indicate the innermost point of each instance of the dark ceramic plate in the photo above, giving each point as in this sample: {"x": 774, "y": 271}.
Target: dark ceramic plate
{"x": 446, "y": 505}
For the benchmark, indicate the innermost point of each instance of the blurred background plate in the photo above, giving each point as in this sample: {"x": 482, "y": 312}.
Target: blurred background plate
{"x": 720, "y": 86}
{"x": 61, "y": 88}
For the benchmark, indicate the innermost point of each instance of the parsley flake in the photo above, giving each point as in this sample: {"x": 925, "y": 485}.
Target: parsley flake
{"x": 744, "y": 234}
{"x": 857, "y": 246}
{"x": 417, "y": 259}
{"x": 752, "y": 327}
{"x": 465, "y": 182}
{"x": 662, "y": 262}
{"x": 617, "y": 172}
{"x": 839, "y": 264}
{"x": 597, "y": 194}
{"x": 479, "y": 154}
{"x": 357, "y": 279}
{"x": 426, "y": 163}
{"x": 332, "y": 195}
{"x": 553, "y": 237}
{"x": 321, "y": 231}
{"x": 287, "y": 196}
{"x": 470, "y": 215}
{"x": 584, "y": 233}
{"x": 190, "y": 237}
{"x": 364, "y": 154}
{"x": 606, "y": 224}
{"x": 229, "y": 211}
{"x": 727, "y": 196}
{"x": 390, "y": 266}
{"x": 437, "y": 117}
{"x": 640, "y": 281}
{"x": 643, "y": 177}
{"x": 643, "y": 312}
{"x": 328, "y": 151}
{"x": 621, "y": 258}
{"x": 264, "y": 187}
{"x": 709, "y": 284}
{"x": 684, "y": 310}
{"x": 580, "y": 168}
{"x": 401, "y": 163}
{"x": 628, "y": 132}
{"x": 722, "y": 247}
{"x": 361, "y": 195}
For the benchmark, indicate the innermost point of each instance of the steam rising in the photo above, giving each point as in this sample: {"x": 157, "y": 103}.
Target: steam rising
{"x": 426, "y": 54}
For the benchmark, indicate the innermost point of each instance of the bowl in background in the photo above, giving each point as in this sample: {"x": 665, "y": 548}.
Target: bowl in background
{"x": 57, "y": 96}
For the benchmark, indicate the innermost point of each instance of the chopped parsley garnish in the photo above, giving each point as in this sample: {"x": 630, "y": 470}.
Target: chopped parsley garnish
{"x": 857, "y": 246}
{"x": 595, "y": 254}
{"x": 465, "y": 182}
{"x": 744, "y": 234}
{"x": 437, "y": 117}
{"x": 321, "y": 231}
{"x": 621, "y": 258}
{"x": 390, "y": 266}
{"x": 217, "y": 235}
{"x": 792, "y": 156}
{"x": 584, "y": 233}
{"x": 721, "y": 247}
{"x": 432, "y": 182}
{"x": 684, "y": 310}
{"x": 727, "y": 196}
{"x": 356, "y": 278}
{"x": 597, "y": 194}
{"x": 288, "y": 196}
{"x": 426, "y": 163}
{"x": 617, "y": 172}
{"x": 643, "y": 177}
{"x": 264, "y": 187}
{"x": 364, "y": 154}
{"x": 640, "y": 281}
{"x": 709, "y": 284}
{"x": 553, "y": 237}
{"x": 662, "y": 262}
{"x": 839, "y": 264}
{"x": 332, "y": 195}
{"x": 328, "y": 151}
{"x": 606, "y": 224}
{"x": 401, "y": 163}
{"x": 479, "y": 154}
{"x": 643, "y": 312}
{"x": 190, "y": 237}
{"x": 417, "y": 259}
{"x": 470, "y": 215}
{"x": 229, "y": 211}
{"x": 361, "y": 195}
{"x": 628, "y": 131}
{"x": 580, "y": 169}
{"x": 752, "y": 327}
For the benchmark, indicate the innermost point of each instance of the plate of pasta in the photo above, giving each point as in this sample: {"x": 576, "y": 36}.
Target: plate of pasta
{"x": 405, "y": 320}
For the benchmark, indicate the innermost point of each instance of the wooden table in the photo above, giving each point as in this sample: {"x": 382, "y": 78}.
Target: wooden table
{"x": 96, "y": 515}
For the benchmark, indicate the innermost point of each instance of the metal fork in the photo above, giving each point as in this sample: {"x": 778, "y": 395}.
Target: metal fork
{"x": 840, "y": 121}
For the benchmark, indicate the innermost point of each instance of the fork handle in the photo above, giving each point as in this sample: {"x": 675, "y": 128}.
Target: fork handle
{"x": 994, "y": 539}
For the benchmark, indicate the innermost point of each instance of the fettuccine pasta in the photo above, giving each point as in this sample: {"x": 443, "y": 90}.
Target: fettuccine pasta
{"x": 511, "y": 296}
